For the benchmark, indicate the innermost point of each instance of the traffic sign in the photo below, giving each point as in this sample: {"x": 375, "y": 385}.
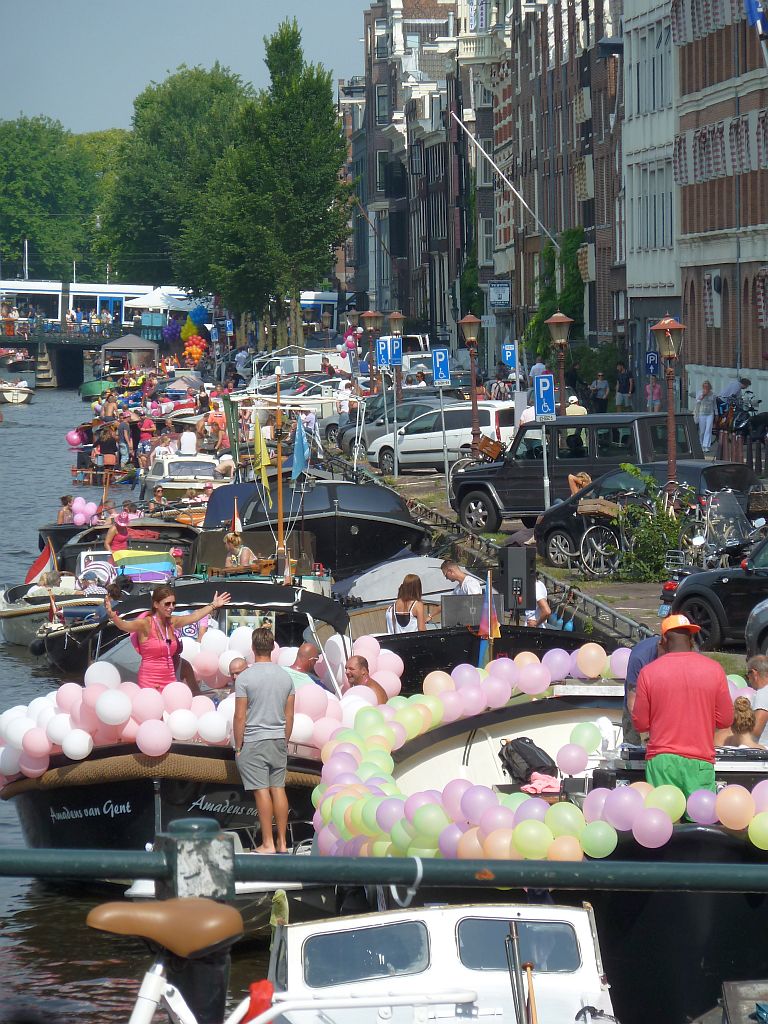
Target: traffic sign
{"x": 214, "y": 335}
{"x": 396, "y": 351}
{"x": 544, "y": 397}
{"x": 509, "y": 354}
{"x": 382, "y": 351}
{"x": 230, "y": 328}
{"x": 441, "y": 371}
{"x": 652, "y": 364}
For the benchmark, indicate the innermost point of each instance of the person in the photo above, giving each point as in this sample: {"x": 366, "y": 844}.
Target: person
{"x": 734, "y": 388}
{"x": 406, "y": 613}
{"x": 653, "y": 394}
{"x": 125, "y": 438}
{"x": 137, "y": 323}
{"x": 207, "y": 492}
{"x": 465, "y": 584}
{"x": 110, "y": 410}
{"x": 625, "y": 387}
{"x": 357, "y": 673}
{"x": 421, "y": 380}
{"x": 528, "y": 415}
{"x": 342, "y": 404}
{"x": 188, "y": 442}
{"x": 238, "y": 555}
{"x": 177, "y": 554}
{"x": 600, "y": 389}
{"x": 262, "y": 725}
{"x": 705, "y": 411}
{"x": 682, "y": 698}
{"x": 643, "y": 653}
{"x": 158, "y": 500}
{"x": 537, "y": 368}
{"x": 164, "y": 448}
{"x": 537, "y": 617}
{"x": 66, "y": 515}
{"x": 574, "y": 407}
{"x": 409, "y": 381}
{"x": 225, "y": 466}
{"x": 157, "y": 642}
{"x": 742, "y": 729}
{"x": 303, "y": 667}
{"x": 757, "y": 677}
{"x": 578, "y": 481}
{"x": 116, "y": 538}
{"x": 106, "y": 453}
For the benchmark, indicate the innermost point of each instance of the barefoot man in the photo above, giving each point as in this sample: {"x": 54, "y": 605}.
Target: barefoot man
{"x": 264, "y": 700}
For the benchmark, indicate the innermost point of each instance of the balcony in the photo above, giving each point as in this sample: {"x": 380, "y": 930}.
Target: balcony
{"x": 480, "y": 48}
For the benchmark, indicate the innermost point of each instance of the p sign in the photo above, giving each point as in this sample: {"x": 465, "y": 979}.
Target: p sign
{"x": 441, "y": 371}
{"x": 652, "y": 364}
{"x": 544, "y": 396}
{"x": 382, "y": 351}
{"x": 214, "y": 335}
{"x": 396, "y": 351}
{"x": 509, "y": 354}
{"x": 230, "y": 328}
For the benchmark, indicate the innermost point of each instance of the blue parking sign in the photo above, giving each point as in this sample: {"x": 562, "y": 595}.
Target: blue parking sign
{"x": 382, "y": 351}
{"x": 230, "y": 328}
{"x": 214, "y": 335}
{"x": 652, "y": 364}
{"x": 544, "y": 396}
{"x": 396, "y": 351}
{"x": 509, "y": 354}
{"x": 441, "y": 370}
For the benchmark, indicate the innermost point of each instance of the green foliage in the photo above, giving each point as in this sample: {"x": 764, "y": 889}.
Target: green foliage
{"x": 652, "y": 530}
{"x": 472, "y": 300}
{"x": 591, "y": 360}
{"x": 570, "y": 299}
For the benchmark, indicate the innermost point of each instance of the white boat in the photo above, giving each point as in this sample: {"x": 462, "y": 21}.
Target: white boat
{"x": 381, "y": 966}
{"x": 22, "y": 615}
{"x": 178, "y": 473}
{"x": 15, "y": 392}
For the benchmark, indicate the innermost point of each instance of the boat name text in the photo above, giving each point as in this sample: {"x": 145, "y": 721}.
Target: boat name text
{"x": 108, "y": 809}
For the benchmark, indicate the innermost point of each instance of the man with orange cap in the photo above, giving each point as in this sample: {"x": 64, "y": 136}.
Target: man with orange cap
{"x": 682, "y": 697}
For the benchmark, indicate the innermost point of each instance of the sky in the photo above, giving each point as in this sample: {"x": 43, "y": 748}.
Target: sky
{"x": 82, "y": 62}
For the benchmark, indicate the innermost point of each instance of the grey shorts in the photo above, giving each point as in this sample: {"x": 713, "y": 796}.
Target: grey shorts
{"x": 262, "y": 764}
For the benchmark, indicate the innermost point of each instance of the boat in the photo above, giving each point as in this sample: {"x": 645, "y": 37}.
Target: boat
{"x": 449, "y": 960}
{"x": 22, "y": 615}
{"x": 15, "y": 392}
{"x": 146, "y": 533}
{"x": 177, "y": 474}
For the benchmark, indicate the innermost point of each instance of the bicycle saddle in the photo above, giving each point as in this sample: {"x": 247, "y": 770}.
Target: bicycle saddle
{"x": 189, "y": 928}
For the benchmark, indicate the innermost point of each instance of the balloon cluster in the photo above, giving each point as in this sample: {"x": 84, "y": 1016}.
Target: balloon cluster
{"x": 195, "y": 320}
{"x": 194, "y": 349}
{"x": 84, "y": 511}
{"x": 172, "y": 331}
{"x": 74, "y": 438}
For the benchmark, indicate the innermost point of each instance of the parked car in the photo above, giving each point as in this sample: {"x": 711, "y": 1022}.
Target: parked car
{"x": 420, "y": 444}
{"x": 559, "y": 530}
{"x": 370, "y": 429}
{"x": 513, "y": 487}
{"x": 756, "y": 631}
{"x": 374, "y": 406}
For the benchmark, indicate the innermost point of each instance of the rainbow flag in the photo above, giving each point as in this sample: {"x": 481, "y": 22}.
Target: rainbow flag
{"x": 150, "y": 566}
{"x": 488, "y": 630}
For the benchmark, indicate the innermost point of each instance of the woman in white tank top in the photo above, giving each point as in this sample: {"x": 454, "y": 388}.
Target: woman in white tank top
{"x": 406, "y": 613}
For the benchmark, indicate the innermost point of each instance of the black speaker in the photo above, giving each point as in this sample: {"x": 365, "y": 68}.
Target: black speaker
{"x": 517, "y": 577}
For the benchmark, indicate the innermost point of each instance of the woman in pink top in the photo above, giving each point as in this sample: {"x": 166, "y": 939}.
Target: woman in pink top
{"x": 653, "y": 394}
{"x": 156, "y": 636}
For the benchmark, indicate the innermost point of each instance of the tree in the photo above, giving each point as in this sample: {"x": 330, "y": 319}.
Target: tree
{"x": 570, "y": 299}
{"x": 181, "y": 128}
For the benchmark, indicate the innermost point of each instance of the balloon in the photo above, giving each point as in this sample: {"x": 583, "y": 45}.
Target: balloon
{"x": 652, "y": 828}
{"x": 498, "y": 845}
{"x": 452, "y": 795}
{"x": 84, "y": 717}
{"x": 598, "y": 839}
{"x": 574, "y": 670}
{"x": 453, "y": 705}
{"x": 572, "y": 759}
{"x": 494, "y": 818}
{"x": 215, "y": 641}
{"x": 532, "y": 839}
{"x": 206, "y": 663}
{"x": 533, "y": 678}
{"x": 322, "y": 731}
{"x": 430, "y": 820}
{"x": 147, "y": 704}
{"x": 534, "y": 809}
{"x": 225, "y": 659}
{"x": 760, "y": 796}
{"x": 79, "y": 503}
{"x": 498, "y": 691}
{"x": 77, "y": 745}
{"x": 33, "y": 767}
{"x": 92, "y": 694}
{"x": 74, "y": 440}
{"x": 388, "y": 812}
{"x": 735, "y": 807}
{"x": 619, "y": 661}
{"x": 621, "y": 807}
{"x": 586, "y": 735}
{"x": 411, "y": 721}
{"x": 113, "y": 707}
{"x": 469, "y": 846}
{"x": 9, "y": 760}
{"x": 213, "y": 727}
{"x": 669, "y": 799}
{"x": 557, "y": 661}
{"x": 701, "y": 806}
{"x": 524, "y": 658}
{"x": 390, "y": 662}
{"x": 240, "y": 640}
{"x": 565, "y": 847}
{"x": 389, "y": 681}
{"x": 564, "y": 819}
{"x": 643, "y": 788}
{"x": 57, "y": 728}
{"x": 473, "y": 699}
{"x": 757, "y": 830}
{"x": 90, "y": 510}
{"x": 104, "y": 673}
{"x": 367, "y": 647}
{"x": 436, "y": 683}
{"x": 303, "y": 727}
{"x": 476, "y": 800}
{"x": 737, "y": 680}
{"x": 78, "y": 519}
{"x": 129, "y": 731}
{"x": 183, "y": 724}
{"x": 312, "y": 700}
{"x": 591, "y": 659}
{"x": 465, "y": 675}
{"x": 177, "y": 696}
{"x": 448, "y": 840}
{"x": 154, "y": 738}
{"x": 16, "y": 730}
{"x": 337, "y": 764}
{"x": 36, "y": 744}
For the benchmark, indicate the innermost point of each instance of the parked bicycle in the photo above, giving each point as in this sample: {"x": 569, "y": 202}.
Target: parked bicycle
{"x": 610, "y": 534}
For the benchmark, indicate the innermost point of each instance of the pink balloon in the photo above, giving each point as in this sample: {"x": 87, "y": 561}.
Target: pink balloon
{"x": 219, "y": 681}
{"x": 465, "y": 675}
{"x": 558, "y": 662}
{"x": 574, "y": 671}
{"x": 154, "y": 738}
{"x": 90, "y": 510}
{"x": 78, "y": 504}
{"x": 390, "y": 682}
{"x": 449, "y": 841}
{"x": 131, "y": 688}
{"x": 368, "y": 647}
{"x": 453, "y": 705}
{"x": 351, "y": 749}
{"x": 68, "y": 695}
{"x": 503, "y": 668}
{"x": 36, "y": 743}
{"x": 92, "y": 693}
{"x": 33, "y": 767}
{"x": 201, "y": 705}
{"x": 334, "y": 708}
{"x": 534, "y": 678}
{"x": 78, "y": 519}
{"x": 759, "y": 795}
{"x": 73, "y": 439}
{"x": 475, "y": 801}
{"x": 390, "y": 662}
{"x": 452, "y": 794}
{"x": 594, "y": 802}
{"x": 206, "y": 664}
{"x": 401, "y": 736}
{"x": 323, "y": 730}
{"x": 701, "y": 804}
{"x": 619, "y": 662}
{"x": 338, "y": 764}
{"x": 622, "y": 806}
{"x": 388, "y": 812}
{"x": 493, "y": 818}
{"x": 129, "y": 731}
{"x": 147, "y": 704}
{"x": 84, "y": 717}
{"x": 652, "y": 828}
{"x": 472, "y": 698}
{"x": 312, "y": 700}
{"x": 387, "y": 712}
{"x": 177, "y": 696}
{"x": 107, "y": 734}
{"x": 497, "y": 691}
{"x": 366, "y": 693}
{"x": 572, "y": 759}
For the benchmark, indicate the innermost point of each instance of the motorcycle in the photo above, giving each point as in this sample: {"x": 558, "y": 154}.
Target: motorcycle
{"x": 747, "y": 421}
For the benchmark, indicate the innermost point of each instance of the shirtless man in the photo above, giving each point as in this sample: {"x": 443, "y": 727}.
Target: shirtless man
{"x": 356, "y": 671}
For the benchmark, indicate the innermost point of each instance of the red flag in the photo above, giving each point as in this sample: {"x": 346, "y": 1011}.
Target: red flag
{"x": 235, "y": 526}
{"x": 45, "y": 562}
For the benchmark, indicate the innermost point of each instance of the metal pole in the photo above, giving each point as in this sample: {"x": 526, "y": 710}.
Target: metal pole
{"x": 279, "y": 460}
{"x": 445, "y": 446}
{"x": 545, "y": 463}
{"x": 384, "y": 396}
{"x": 561, "y": 376}
{"x": 473, "y": 385}
{"x": 394, "y": 416}
{"x": 671, "y": 424}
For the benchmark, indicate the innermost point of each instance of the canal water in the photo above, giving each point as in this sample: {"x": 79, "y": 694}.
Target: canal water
{"x": 52, "y": 968}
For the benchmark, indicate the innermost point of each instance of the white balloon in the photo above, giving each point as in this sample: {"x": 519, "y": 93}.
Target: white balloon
{"x": 213, "y": 727}
{"x": 36, "y": 706}
{"x": 302, "y": 728}
{"x": 349, "y": 709}
{"x": 113, "y": 707}
{"x": 17, "y": 729}
{"x": 336, "y": 653}
{"x": 189, "y": 647}
{"x": 9, "y": 760}
{"x": 45, "y": 716}
{"x": 183, "y": 724}
{"x": 227, "y": 708}
{"x": 286, "y": 656}
{"x": 214, "y": 640}
{"x": 58, "y": 727}
{"x": 102, "y": 672}
{"x": 240, "y": 640}
{"x": 77, "y": 744}
{"x": 225, "y": 659}
{"x": 17, "y": 711}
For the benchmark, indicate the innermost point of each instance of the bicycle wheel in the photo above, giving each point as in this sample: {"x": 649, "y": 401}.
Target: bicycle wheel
{"x": 694, "y": 553}
{"x": 599, "y": 551}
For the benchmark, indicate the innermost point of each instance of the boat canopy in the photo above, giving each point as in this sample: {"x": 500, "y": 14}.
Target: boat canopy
{"x": 131, "y": 343}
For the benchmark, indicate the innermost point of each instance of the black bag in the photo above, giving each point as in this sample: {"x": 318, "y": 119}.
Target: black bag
{"x": 521, "y": 757}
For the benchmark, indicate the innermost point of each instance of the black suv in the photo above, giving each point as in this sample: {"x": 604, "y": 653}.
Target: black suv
{"x": 513, "y": 487}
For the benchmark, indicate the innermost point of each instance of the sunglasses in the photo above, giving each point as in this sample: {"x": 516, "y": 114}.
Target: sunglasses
{"x": 169, "y": 604}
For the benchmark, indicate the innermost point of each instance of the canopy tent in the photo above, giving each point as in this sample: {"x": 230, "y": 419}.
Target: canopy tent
{"x": 163, "y": 298}
{"x": 130, "y": 343}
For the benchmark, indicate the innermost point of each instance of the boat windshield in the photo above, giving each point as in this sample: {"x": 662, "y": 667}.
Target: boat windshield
{"x": 551, "y": 946}
{"x": 363, "y": 954}
{"x": 190, "y": 468}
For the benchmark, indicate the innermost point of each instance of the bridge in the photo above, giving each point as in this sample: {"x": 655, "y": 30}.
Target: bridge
{"x": 60, "y": 354}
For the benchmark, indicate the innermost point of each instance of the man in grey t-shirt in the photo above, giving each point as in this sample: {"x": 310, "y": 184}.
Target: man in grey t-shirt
{"x": 264, "y": 702}
{"x": 757, "y": 677}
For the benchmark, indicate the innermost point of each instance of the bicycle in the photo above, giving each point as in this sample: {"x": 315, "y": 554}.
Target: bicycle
{"x": 604, "y": 542}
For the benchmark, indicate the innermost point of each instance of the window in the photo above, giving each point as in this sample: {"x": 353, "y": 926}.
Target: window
{"x": 708, "y": 301}
{"x": 571, "y": 444}
{"x": 551, "y": 946}
{"x": 616, "y": 442}
{"x": 416, "y": 159}
{"x": 382, "y": 104}
{"x": 381, "y": 169}
{"x": 486, "y": 240}
{"x": 484, "y": 167}
{"x": 658, "y": 433}
{"x": 360, "y": 954}
{"x": 617, "y": 483}
{"x": 425, "y": 424}
{"x": 382, "y": 39}
{"x": 459, "y": 419}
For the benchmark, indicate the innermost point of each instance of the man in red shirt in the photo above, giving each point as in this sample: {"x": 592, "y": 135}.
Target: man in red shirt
{"x": 682, "y": 697}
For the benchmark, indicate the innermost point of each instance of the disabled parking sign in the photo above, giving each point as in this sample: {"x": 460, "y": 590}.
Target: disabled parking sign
{"x": 544, "y": 397}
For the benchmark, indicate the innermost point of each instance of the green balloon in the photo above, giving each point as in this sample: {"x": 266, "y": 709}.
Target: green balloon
{"x": 598, "y": 839}
{"x": 326, "y": 807}
{"x": 433, "y": 703}
{"x": 402, "y": 833}
{"x": 669, "y": 799}
{"x": 513, "y": 800}
{"x": 349, "y": 736}
{"x": 411, "y": 721}
{"x": 564, "y": 819}
{"x": 758, "y": 830}
{"x": 585, "y": 734}
{"x": 416, "y": 850}
{"x": 429, "y": 820}
{"x": 532, "y": 839}
{"x": 384, "y": 732}
{"x": 368, "y": 721}
{"x": 340, "y": 804}
{"x": 380, "y": 848}
{"x": 317, "y": 794}
{"x": 370, "y": 824}
{"x": 398, "y": 702}
{"x": 367, "y": 770}
{"x": 356, "y": 817}
{"x": 381, "y": 759}
{"x": 736, "y": 679}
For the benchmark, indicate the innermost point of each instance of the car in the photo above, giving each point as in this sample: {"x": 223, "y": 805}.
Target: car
{"x": 421, "y": 444}
{"x": 374, "y": 407}
{"x": 756, "y": 631}
{"x": 513, "y": 487}
{"x": 559, "y": 530}
{"x": 365, "y": 433}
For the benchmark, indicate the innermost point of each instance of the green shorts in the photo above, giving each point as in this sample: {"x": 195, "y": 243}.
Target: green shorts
{"x": 687, "y": 773}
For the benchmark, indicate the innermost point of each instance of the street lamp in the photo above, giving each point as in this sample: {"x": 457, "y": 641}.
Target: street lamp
{"x": 470, "y": 328}
{"x": 372, "y": 322}
{"x": 669, "y": 340}
{"x": 352, "y": 318}
{"x": 396, "y": 321}
{"x": 559, "y": 327}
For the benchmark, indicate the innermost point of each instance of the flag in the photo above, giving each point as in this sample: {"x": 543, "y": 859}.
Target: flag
{"x": 236, "y": 526}
{"x": 45, "y": 562}
{"x": 488, "y": 629}
{"x": 145, "y": 566}
{"x": 261, "y": 458}
{"x": 301, "y": 451}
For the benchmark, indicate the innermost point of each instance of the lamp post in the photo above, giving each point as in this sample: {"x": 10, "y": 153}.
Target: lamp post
{"x": 372, "y": 322}
{"x": 326, "y": 321}
{"x": 669, "y": 339}
{"x": 396, "y": 321}
{"x": 559, "y": 327}
{"x": 470, "y": 327}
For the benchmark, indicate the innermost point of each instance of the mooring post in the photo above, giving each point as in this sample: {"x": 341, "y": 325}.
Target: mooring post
{"x": 201, "y": 858}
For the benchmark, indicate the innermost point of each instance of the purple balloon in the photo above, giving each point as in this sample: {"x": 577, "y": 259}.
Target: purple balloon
{"x": 350, "y": 749}
{"x": 760, "y": 796}
{"x": 621, "y": 807}
{"x": 414, "y": 802}
{"x": 572, "y": 759}
{"x": 452, "y": 795}
{"x": 495, "y": 817}
{"x": 619, "y": 662}
{"x": 337, "y": 764}
{"x": 534, "y": 809}
{"x": 476, "y": 800}
{"x": 473, "y": 699}
{"x": 497, "y": 691}
{"x": 503, "y": 668}
{"x": 317, "y": 821}
{"x": 327, "y": 838}
{"x": 652, "y": 828}
{"x": 388, "y": 812}
{"x": 465, "y": 675}
{"x": 534, "y": 678}
{"x": 352, "y": 848}
{"x": 346, "y": 779}
{"x": 701, "y": 804}
{"x": 435, "y": 796}
{"x": 449, "y": 840}
{"x": 734, "y": 690}
{"x": 453, "y": 705}
{"x": 594, "y": 803}
{"x": 558, "y": 662}
{"x": 574, "y": 671}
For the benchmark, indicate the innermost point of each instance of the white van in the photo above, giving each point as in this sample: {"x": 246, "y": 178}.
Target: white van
{"x": 420, "y": 442}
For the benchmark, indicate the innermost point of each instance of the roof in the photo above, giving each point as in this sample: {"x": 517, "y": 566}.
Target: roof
{"x": 130, "y": 343}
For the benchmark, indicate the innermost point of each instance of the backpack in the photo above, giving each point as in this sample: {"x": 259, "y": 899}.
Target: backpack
{"x": 499, "y": 391}
{"x": 521, "y": 757}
